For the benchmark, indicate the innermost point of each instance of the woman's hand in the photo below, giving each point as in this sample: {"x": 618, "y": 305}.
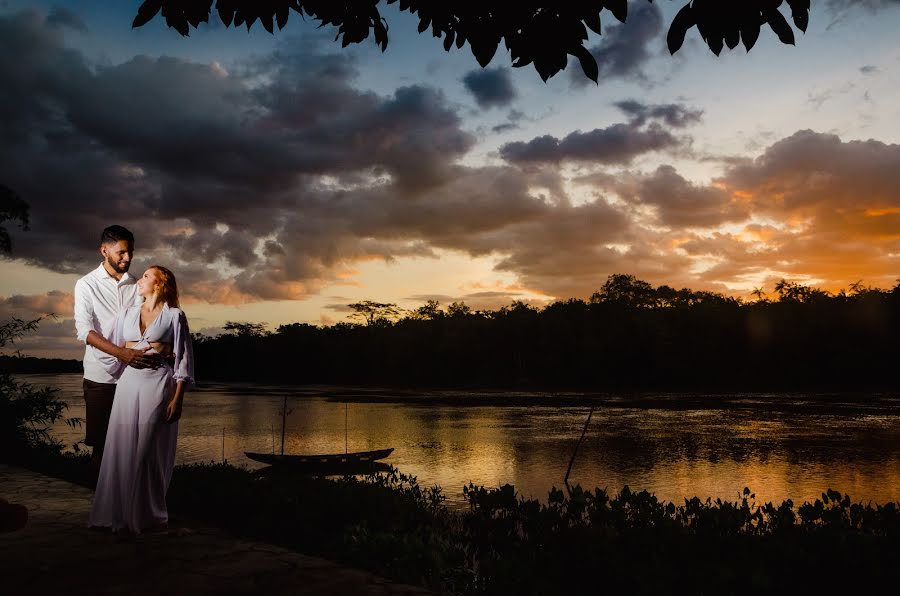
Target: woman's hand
{"x": 173, "y": 410}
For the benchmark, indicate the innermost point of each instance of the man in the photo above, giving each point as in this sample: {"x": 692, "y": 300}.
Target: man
{"x": 99, "y": 296}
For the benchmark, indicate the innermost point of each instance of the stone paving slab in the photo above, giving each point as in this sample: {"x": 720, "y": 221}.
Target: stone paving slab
{"x": 57, "y": 554}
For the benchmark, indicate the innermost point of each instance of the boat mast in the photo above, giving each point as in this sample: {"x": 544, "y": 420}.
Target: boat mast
{"x": 283, "y": 420}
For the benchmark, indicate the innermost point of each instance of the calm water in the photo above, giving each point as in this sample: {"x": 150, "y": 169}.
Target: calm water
{"x": 675, "y": 446}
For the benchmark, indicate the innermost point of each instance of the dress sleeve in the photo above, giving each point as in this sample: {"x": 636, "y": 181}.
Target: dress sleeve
{"x": 184, "y": 352}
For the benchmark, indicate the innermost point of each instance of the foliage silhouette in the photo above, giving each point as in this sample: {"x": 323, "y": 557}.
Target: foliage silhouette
{"x": 630, "y": 336}
{"x": 245, "y": 329}
{"x": 504, "y": 544}
{"x": 535, "y": 33}
{"x": 26, "y": 412}
{"x": 374, "y": 313}
{"x": 12, "y": 208}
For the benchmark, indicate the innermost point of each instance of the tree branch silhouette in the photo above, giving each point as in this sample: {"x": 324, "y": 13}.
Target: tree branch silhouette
{"x": 541, "y": 34}
{"x": 12, "y": 208}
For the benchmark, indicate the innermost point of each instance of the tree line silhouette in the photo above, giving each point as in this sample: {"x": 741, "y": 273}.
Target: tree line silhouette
{"x": 629, "y": 336}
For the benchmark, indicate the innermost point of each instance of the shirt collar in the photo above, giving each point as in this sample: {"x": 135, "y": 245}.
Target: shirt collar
{"x": 101, "y": 273}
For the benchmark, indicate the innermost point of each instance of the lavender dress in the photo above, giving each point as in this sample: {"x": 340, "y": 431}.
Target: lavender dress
{"x": 139, "y": 454}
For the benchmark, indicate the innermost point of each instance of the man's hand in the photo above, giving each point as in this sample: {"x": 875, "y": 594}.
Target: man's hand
{"x": 139, "y": 358}
{"x": 128, "y": 356}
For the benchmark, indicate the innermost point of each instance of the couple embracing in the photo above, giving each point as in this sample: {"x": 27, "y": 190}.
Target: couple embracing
{"x": 138, "y": 363}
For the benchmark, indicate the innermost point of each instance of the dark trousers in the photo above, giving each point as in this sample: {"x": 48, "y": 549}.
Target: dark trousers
{"x": 98, "y": 400}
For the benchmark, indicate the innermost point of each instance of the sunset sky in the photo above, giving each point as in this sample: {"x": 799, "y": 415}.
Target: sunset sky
{"x": 282, "y": 177}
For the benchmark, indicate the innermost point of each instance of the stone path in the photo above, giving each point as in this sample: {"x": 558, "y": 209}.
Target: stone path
{"x": 56, "y": 554}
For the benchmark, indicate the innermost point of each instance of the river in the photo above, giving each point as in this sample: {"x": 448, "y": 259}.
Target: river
{"x": 675, "y": 446}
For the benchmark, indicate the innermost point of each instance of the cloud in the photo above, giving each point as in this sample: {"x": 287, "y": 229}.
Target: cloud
{"x": 513, "y": 119}
{"x": 676, "y": 202}
{"x": 837, "y": 203}
{"x": 504, "y": 127}
{"x": 872, "y": 5}
{"x": 52, "y": 339}
{"x": 63, "y": 17}
{"x": 842, "y": 9}
{"x": 35, "y": 305}
{"x": 491, "y": 87}
{"x": 178, "y": 150}
{"x": 625, "y": 48}
{"x": 615, "y": 144}
{"x": 817, "y": 99}
{"x": 54, "y": 336}
{"x": 270, "y": 182}
{"x": 671, "y": 114}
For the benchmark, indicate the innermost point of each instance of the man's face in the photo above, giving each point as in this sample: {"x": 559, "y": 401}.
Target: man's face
{"x": 118, "y": 255}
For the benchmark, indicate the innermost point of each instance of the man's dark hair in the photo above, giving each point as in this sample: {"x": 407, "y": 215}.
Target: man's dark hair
{"x": 113, "y": 234}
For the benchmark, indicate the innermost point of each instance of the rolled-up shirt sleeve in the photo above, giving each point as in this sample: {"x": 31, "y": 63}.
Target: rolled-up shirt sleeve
{"x": 183, "y": 370}
{"x": 84, "y": 314}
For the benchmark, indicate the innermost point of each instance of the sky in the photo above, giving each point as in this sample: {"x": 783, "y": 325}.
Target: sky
{"x": 283, "y": 178}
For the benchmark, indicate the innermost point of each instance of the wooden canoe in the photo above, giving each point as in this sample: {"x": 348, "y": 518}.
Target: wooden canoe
{"x": 327, "y": 460}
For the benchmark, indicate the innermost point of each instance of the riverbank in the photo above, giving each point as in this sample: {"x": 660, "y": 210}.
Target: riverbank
{"x": 56, "y": 554}
{"x": 506, "y": 544}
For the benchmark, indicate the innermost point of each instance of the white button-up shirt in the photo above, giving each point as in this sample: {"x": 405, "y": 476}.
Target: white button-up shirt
{"x": 98, "y": 299}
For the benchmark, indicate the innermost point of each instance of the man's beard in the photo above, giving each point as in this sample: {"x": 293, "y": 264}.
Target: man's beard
{"x": 118, "y": 268}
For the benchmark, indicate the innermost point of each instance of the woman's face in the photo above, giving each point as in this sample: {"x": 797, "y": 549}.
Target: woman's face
{"x": 149, "y": 283}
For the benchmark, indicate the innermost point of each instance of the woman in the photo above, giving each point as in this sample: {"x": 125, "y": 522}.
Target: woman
{"x": 139, "y": 454}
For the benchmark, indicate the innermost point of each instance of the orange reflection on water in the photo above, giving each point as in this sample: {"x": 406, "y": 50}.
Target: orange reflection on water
{"x": 780, "y": 447}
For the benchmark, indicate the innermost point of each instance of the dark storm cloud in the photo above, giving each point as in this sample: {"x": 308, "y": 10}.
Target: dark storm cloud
{"x": 172, "y": 148}
{"x": 491, "y": 87}
{"x": 276, "y": 180}
{"x": 616, "y": 144}
{"x": 624, "y": 48}
{"x": 63, "y": 17}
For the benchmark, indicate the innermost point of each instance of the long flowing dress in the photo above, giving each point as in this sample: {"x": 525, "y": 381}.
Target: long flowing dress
{"x": 139, "y": 454}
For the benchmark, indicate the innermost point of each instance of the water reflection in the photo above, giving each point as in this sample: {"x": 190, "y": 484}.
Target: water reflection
{"x": 781, "y": 447}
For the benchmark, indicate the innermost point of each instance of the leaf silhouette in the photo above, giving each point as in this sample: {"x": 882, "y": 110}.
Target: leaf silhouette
{"x": 146, "y": 12}
{"x": 800, "y": 13}
{"x": 588, "y": 64}
{"x": 683, "y": 21}
{"x": 750, "y": 33}
{"x": 779, "y": 25}
{"x": 619, "y": 8}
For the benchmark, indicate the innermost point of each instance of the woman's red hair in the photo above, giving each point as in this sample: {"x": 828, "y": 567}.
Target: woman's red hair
{"x": 169, "y": 289}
